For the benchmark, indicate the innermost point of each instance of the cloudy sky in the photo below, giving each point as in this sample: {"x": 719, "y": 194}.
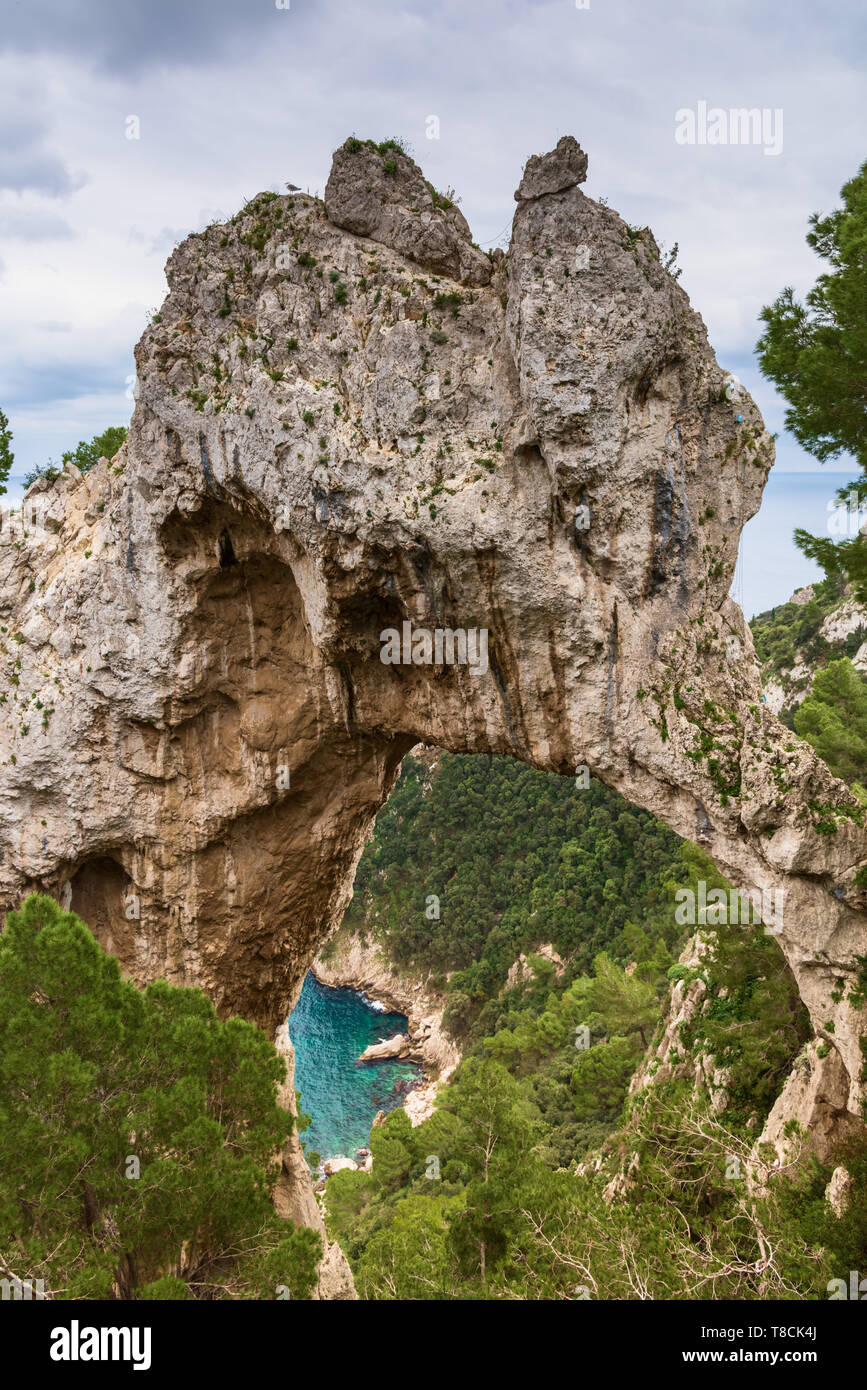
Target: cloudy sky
{"x": 234, "y": 96}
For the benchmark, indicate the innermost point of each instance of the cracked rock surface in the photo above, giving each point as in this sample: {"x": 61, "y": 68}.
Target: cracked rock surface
{"x": 349, "y": 418}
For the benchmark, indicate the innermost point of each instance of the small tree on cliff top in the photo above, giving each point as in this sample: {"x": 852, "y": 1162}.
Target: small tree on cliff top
{"x": 137, "y": 1131}
{"x": 85, "y": 455}
{"x": 6, "y": 456}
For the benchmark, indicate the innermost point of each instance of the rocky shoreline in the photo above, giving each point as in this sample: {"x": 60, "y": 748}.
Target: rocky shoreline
{"x": 361, "y": 965}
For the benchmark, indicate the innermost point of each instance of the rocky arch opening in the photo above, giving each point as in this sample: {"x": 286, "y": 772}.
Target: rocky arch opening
{"x": 587, "y": 665}
{"x": 747, "y": 961}
{"x": 249, "y": 790}
{"x": 341, "y": 722}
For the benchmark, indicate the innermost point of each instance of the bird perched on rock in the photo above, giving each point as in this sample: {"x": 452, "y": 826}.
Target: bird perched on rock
{"x": 293, "y": 188}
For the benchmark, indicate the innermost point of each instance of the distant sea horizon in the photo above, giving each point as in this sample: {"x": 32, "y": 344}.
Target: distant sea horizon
{"x": 770, "y": 566}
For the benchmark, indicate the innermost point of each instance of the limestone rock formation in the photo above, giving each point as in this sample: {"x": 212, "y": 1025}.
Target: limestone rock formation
{"x": 521, "y": 970}
{"x": 338, "y": 1164}
{"x": 379, "y": 192}
{"x": 347, "y": 419}
{"x": 398, "y": 1046}
{"x": 789, "y": 686}
{"x": 664, "y": 1060}
{"x": 564, "y": 167}
{"x": 839, "y": 1191}
{"x": 294, "y": 1195}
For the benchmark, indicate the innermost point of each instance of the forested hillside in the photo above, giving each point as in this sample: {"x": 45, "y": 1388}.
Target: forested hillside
{"x": 791, "y": 634}
{"x": 512, "y": 858}
{"x": 813, "y": 661}
{"x": 483, "y": 1199}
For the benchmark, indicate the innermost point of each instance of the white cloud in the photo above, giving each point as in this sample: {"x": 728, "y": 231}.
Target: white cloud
{"x": 233, "y": 98}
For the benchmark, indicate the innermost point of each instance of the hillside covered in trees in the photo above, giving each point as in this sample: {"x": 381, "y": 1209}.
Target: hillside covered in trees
{"x": 540, "y": 1175}
{"x": 512, "y": 858}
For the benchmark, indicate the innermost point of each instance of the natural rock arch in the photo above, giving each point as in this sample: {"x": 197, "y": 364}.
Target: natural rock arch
{"x": 348, "y": 418}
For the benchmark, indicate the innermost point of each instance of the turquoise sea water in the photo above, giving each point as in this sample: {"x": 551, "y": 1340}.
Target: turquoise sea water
{"x": 330, "y": 1028}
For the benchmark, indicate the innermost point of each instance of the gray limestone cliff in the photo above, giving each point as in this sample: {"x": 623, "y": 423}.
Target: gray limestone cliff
{"x": 348, "y": 418}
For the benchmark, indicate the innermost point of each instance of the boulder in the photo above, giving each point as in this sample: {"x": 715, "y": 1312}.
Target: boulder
{"x": 381, "y": 193}
{"x": 564, "y": 167}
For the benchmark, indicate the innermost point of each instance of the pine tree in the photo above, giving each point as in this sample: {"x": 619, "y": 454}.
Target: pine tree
{"x": 7, "y": 458}
{"x": 833, "y": 718}
{"x": 816, "y": 353}
{"x": 137, "y": 1130}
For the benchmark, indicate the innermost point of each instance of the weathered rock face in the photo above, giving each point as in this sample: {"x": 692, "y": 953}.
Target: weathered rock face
{"x": 555, "y": 172}
{"x": 332, "y": 437}
{"x": 382, "y": 193}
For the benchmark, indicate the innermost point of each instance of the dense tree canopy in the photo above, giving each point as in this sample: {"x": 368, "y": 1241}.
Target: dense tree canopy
{"x": 816, "y": 353}
{"x": 505, "y": 1191}
{"x": 137, "y": 1131}
{"x": 7, "y": 458}
{"x": 485, "y": 1200}
{"x": 833, "y": 718}
{"x": 512, "y": 857}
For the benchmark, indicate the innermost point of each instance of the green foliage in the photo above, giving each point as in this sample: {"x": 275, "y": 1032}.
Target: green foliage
{"x": 625, "y": 1001}
{"x": 445, "y": 201}
{"x": 485, "y": 1199}
{"x": 516, "y": 857}
{"x": 137, "y": 1130}
{"x": 409, "y": 1259}
{"x": 601, "y": 1079}
{"x": 7, "y": 458}
{"x": 833, "y": 718}
{"x": 166, "y": 1290}
{"x": 397, "y": 145}
{"x": 816, "y": 353}
{"x": 792, "y": 628}
{"x": 495, "y": 1219}
{"x": 448, "y": 1226}
{"x": 753, "y": 1023}
{"x": 85, "y": 455}
{"x": 496, "y": 1127}
{"x": 580, "y": 1090}
{"x": 392, "y": 1149}
{"x": 105, "y": 445}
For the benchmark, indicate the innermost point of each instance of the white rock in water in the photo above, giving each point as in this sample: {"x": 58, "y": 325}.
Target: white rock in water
{"x": 392, "y": 1047}
{"x": 334, "y": 1165}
